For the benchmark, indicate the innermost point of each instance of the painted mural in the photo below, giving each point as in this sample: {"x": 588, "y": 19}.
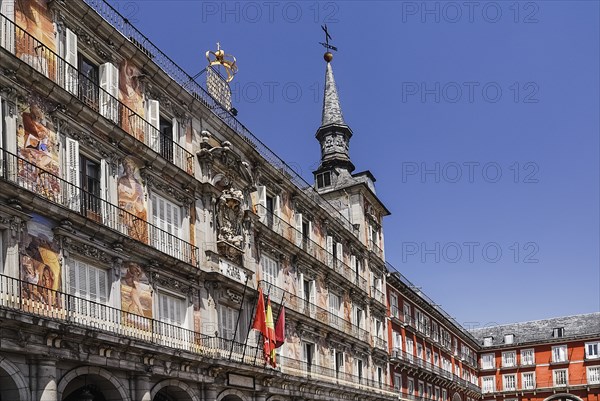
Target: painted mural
{"x": 132, "y": 199}
{"x": 34, "y": 18}
{"x": 40, "y": 262}
{"x": 132, "y": 95}
{"x": 37, "y": 143}
{"x": 136, "y": 293}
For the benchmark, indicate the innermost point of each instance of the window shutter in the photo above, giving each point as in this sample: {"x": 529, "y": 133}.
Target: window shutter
{"x": 301, "y": 286}
{"x": 153, "y": 118}
{"x": 311, "y": 296}
{"x": 7, "y": 36}
{"x": 71, "y": 59}
{"x": 298, "y": 222}
{"x": 72, "y": 173}
{"x": 339, "y": 252}
{"x": 261, "y": 208}
{"x": 277, "y": 206}
{"x": 329, "y": 244}
{"x": 72, "y": 277}
{"x": 109, "y": 85}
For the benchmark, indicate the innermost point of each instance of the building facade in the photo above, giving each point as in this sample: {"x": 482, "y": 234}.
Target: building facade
{"x": 139, "y": 217}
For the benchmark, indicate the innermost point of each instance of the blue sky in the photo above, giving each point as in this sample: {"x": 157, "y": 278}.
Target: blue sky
{"x": 480, "y": 121}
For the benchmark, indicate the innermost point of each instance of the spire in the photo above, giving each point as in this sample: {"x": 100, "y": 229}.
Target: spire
{"x": 332, "y": 111}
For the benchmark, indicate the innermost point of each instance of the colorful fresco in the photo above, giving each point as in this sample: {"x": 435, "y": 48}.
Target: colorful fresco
{"x": 37, "y": 143}
{"x": 136, "y": 293}
{"x": 40, "y": 262}
{"x": 132, "y": 95}
{"x": 34, "y": 18}
{"x": 132, "y": 199}
{"x": 289, "y": 277}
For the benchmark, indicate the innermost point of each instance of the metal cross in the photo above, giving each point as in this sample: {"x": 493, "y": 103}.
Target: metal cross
{"x": 327, "y": 37}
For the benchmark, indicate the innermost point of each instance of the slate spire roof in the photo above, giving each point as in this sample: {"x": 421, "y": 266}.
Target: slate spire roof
{"x": 332, "y": 111}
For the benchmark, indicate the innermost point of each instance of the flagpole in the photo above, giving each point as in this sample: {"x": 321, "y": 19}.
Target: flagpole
{"x": 237, "y": 323}
{"x": 249, "y": 326}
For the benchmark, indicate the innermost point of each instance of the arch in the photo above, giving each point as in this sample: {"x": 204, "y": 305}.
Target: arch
{"x": 563, "y": 395}
{"x": 92, "y": 371}
{"x": 184, "y": 387}
{"x": 232, "y": 395}
{"x": 456, "y": 397}
{"x": 15, "y": 374}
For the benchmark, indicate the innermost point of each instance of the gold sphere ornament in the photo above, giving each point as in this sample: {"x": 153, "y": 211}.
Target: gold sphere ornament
{"x": 328, "y": 57}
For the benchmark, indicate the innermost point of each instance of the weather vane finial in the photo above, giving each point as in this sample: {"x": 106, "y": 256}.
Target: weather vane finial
{"x": 328, "y": 56}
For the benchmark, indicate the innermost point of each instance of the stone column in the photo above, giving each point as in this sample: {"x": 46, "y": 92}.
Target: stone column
{"x": 210, "y": 393}
{"x": 46, "y": 380}
{"x": 260, "y": 397}
{"x": 142, "y": 388}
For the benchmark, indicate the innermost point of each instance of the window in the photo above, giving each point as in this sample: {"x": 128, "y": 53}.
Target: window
{"x": 487, "y": 341}
{"x": 488, "y": 361}
{"x": 593, "y": 374}
{"x": 270, "y": 269}
{"x": 509, "y": 383}
{"x": 358, "y": 316}
{"x": 409, "y": 348}
{"x": 89, "y": 179}
{"x": 379, "y": 375}
{"x": 394, "y": 304}
{"x": 488, "y": 384}
{"x": 592, "y": 350}
{"x": 88, "y": 82}
{"x": 559, "y": 353}
{"x": 88, "y": 282}
{"x": 396, "y": 340}
{"x": 378, "y": 327}
{"x": 509, "y": 359}
{"x": 335, "y": 303}
{"x": 428, "y": 354}
{"x": 558, "y": 332}
{"x": 421, "y": 388}
{"x": 436, "y": 393}
{"x": 444, "y": 394}
{"x": 528, "y": 380}
{"x": 455, "y": 345}
{"x": 338, "y": 360}
{"x": 457, "y": 369}
{"x": 436, "y": 358}
{"x": 429, "y": 391}
{"x": 358, "y": 368}
{"x": 509, "y": 338}
{"x": 527, "y": 357}
{"x": 323, "y": 180}
{"x": 308, "y": 355}
{"x": 303, "y": 231}
{"x": 228, "y": 319}
{"x": 419, "y": 351}
{"x": 397, "y": 382}
{"x": 410, "y": 387}
{"x": 167, "y": 217}
{"x": 171, "y": 310}
{"x": 407, "y": 314}
{"x": 560, "y": 377}
{"x": 166, "y": 139}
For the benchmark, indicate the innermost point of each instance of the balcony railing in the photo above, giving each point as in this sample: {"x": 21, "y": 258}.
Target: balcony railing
{"x": 305, "y": 307}
{"x": 379, "y": 342}
{"x": 31, "y": 51}
{"x": 373, "y": 247}
{"x": 36, "y": 300}
{"x": 26, "y": 175}
{"x": 378, "y": 295}
{"x": 289, "y": 232}
{"x": 188, "y": 83}
{"x": 400, "y": 355}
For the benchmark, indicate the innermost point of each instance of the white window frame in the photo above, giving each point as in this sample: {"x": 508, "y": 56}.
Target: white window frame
{"x": 394, "y": 305}
{"x": 397, "y": 382}
{"x": 492, "y": 357}
{"x": 524, "y": 382}
{"x": 560, "y": 353}
{"x": 170, "y": 224}
{"x": 491, "y": 384}
{"x": 557, "y": 373}
{"x": 161, "y": 296}
{"x": 410, "y": 386}
{"x": 525, "y": 359}
{"x": 488, "y": 341}
{"x": 444, "y": 394}
{"x": 509, "y": 338}
{"x": 594, "y": 377}
{"x": 509, "y": 359}
{"x": 509, "y": 382}
{"x": 270, "y": 269}
{"x": 592, "y": 350}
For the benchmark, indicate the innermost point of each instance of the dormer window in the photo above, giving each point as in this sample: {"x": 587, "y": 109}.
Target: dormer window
{"x": 324, "y": 179}
{"x": 509, "y": 338}
{"x": 558, "y": 332}
{"x": 487, "y": 341}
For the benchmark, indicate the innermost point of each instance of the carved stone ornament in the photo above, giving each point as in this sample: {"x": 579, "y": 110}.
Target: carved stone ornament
{"x": 230, "y": 216}
{"x": 93, "y": 252}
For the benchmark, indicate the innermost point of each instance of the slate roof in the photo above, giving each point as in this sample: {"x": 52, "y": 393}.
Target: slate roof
{"x": 332, "y": 111}
{"x": 576, "y": 326}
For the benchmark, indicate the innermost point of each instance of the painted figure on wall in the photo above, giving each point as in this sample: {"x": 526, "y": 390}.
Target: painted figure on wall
{"x": 131, "y": 94}
{"x": 37, "y": 143}
{"x": 35, "y": 19}
{"x": 136, "y": 293}
{"x": 132, "y": 199}
{"x": 40, "y": 263}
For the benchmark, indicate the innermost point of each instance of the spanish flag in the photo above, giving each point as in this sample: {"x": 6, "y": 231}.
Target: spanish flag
{"x": 270, "y": 338}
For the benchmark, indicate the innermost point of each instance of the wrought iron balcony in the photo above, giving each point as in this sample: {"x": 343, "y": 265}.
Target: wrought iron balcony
{"x": 378, "y": 295}
{"x": 379, "y": 342}
{"x": 305, "y": 307}
{"x": 17, "y": 41}
{"x": 373, "y": 247}
{"x": 17, "y": 295}
{"x": 52, "y": 188}
{"x": 296, "y": 237}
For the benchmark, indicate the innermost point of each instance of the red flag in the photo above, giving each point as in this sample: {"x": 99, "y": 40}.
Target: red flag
{"x": 260, "y": 320}
{"x": 280, "y": 328}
